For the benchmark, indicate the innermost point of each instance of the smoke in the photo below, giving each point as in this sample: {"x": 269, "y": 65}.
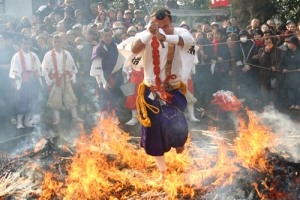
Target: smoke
{"x": 287, "y": 131}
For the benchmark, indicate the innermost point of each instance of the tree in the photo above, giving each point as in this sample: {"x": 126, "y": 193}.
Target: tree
{"x": 287, "y": 9}
{"x": 246, "y": 10}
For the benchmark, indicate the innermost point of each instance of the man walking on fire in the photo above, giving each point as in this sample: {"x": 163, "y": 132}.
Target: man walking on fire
{"x": 168, "y": 58}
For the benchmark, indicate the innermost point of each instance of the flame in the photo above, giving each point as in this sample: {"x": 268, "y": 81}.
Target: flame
{"x": 107, "y": 165}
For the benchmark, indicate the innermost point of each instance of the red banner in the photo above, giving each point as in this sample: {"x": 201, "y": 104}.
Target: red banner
{"x": 219, "y": 3}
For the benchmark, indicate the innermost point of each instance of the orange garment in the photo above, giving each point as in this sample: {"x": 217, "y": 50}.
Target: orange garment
{"x": 190, "y": 86}
{"x": 136, "y": 77}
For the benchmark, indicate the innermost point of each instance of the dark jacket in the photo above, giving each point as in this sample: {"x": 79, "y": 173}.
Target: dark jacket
{"x": 291, "y": 61}
{"x": 223, "y": 52}
{"x": 268, "y": 60}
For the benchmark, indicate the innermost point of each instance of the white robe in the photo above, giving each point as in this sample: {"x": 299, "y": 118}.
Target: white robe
{"x": 16, "y": 69}
{"x": 183, "y": 59}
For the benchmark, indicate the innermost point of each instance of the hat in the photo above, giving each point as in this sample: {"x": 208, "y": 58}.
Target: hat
{"x": 111, "y": 9}
{"x": 131, "y": 28}
{"x": 289, "y": 22}
{"x": 127, "y": 11}
{"x": 77, "y": 26}
{"x": 117, "y": 25}
{"x": 130, "y": 3}
{"x": 229, "y": 29}
{"x": 214, "y": 23}
{"x": 288, "y": 34}
{"x": 78, "y": 12}
{"x": 137, "y": 11}
{"x": 100, "y": 3}
{"x": 294, "y": 40}
{"x": 244, "y": 32}
{"x": 69, "y": 1}
{"x": 69, "y": 32}
{"x": 184, "y": 24}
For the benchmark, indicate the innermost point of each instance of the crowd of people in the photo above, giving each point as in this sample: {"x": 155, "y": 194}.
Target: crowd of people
{"x": 65, "y": 59}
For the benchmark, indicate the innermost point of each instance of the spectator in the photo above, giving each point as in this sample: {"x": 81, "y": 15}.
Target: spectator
{"x": 91, "y": 39}
{"x": 71, "y": 38}
{"x": 117, "y": 32}
{"x": 103, "y": 19}
{"x": 214, "y": 25}
{"x": 68, "y": 19}
{"x": 147, "y": 19}
{"x": 79, "y": 18}
{"x": 235, "y": 25}
{"x": 47, "y": 26}
{"x": 291, "y": 62}
{"x": 205, "y": 27}
{"x": 264, "y": 28}
{"x": 57, "y": 19}
{"x": 131, "y": 31}
{"x": 220, "y": 59}
{"x": 209, "y": 35}
{"x": 270, "y": 58}
{"x": 101, "y": 7}
{"x": 185, "y": 25}
{"x": 137, "y": 18}
{"x": 243, "y": 53}
{"x": 131, "y": 9}
{"x": 94, "y": 13}
{"x": 272, "y": 25}
{"x": 199, "y": 35}
{"x": 24, "y": 24}
{"x": 112, "y": 16}
{"x": 45, "y": 10}
{"x": 255, "y": 23}
{"x": 77, "y": 29}
{"x": 291, "y": 26}
{"x": 127, "y": 18}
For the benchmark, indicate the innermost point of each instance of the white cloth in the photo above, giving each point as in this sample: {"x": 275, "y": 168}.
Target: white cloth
{"x": 48, "y": 66}
{"x": 16, "y": 69}
{"x": 96, "y": 68}
{"x": 183, "y": 59}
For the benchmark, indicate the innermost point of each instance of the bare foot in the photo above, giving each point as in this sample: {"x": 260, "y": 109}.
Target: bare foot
{"x": 194, "y": 119}
{"x": 132, "y": 122}
{"x": 179, "y": 149}
{"x": 162, "y": 177}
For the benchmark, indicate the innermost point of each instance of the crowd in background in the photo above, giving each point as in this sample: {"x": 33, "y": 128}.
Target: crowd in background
{"x": 266, "y": 55}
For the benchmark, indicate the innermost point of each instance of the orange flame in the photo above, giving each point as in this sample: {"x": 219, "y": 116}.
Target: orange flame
{"x": 106, "y": 165}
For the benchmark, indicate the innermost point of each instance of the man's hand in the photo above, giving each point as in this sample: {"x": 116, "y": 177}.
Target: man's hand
{"x": 106, "y": 87}
{"x": 159, "y": 36}
{"x": 255, "y": 57}
{"x": 220, "y": 59}
{"x": 245, "y": 69}
{"x": 285, "y": 71}
{"x": 153, "y": 27}
{"x": 273, "y": 69}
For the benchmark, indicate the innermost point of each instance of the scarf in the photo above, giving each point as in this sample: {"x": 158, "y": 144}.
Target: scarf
{"x": 23, "y": 63}
{"x": 258, "y": 43}
{"x": 216, "y": 42}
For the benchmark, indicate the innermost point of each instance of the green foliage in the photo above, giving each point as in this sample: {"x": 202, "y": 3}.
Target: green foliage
{"x": 194, "y": 4}
{"x": 287, "y": 9}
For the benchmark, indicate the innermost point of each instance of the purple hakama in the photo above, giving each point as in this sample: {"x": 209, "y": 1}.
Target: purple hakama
{"x": 168, "y": 128}
{"x": 27, "y": 97}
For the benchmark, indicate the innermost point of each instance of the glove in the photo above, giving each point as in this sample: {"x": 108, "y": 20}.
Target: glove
{"x": 18, "y": 84}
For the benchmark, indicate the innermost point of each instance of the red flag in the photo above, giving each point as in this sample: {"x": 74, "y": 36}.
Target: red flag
{"x": 219, "y": 3}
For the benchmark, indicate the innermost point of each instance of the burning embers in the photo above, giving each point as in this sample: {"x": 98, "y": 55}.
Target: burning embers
{"x": 105, "y": 165}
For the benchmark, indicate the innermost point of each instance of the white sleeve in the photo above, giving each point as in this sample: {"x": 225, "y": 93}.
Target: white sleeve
{"x": 187, "y": 37}
{"x": 46, "y": 68}
{"x": 16, "y": 67}
{"x": 96, "y": 68}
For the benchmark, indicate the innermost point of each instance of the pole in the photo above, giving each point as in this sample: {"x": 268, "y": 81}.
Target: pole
{"x": 233, "y": 70}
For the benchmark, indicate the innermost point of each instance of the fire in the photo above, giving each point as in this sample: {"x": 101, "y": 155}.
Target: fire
{"x": 107, "y": 166}
{"x": 252, "y": 143}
